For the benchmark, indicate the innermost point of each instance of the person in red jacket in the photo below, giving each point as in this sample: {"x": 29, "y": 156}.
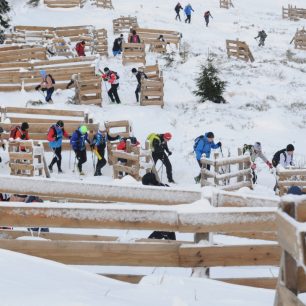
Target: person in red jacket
{"x": 112, "y": 77}
{"x": 134, "y": 37}
{"x": 80, "y": 48}
{"x": 20, "y": 133}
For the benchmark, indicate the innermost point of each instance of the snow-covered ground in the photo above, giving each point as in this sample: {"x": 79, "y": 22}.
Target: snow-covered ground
{"x": 266, "y": 103}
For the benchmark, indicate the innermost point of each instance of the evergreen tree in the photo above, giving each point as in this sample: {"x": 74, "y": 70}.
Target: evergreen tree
{"x": 4, "y": 20}
{"x": 209, "y": 85}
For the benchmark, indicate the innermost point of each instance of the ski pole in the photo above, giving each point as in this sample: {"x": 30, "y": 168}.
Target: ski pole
{"x": 109, "y": 100}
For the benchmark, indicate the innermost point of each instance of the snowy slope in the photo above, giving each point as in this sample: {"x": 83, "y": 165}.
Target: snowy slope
{"x": 31, "y": 281}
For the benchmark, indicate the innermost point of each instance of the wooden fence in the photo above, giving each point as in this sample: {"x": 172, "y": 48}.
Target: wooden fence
{"x": 124, "y": 24}
{"x": 226, "y": 4}
{"x": 293, "y": 13}
{"x": 100, "y": 42}
{"x": 122, "y": 128}
{"x": 27, "y": 159}
{"x": 105, "y": 4}
{"x": 133, "y": 53}
{"x": 22, "y": 54}
{"x": 299, "y": 39}
{"x": 149, "y": 36}
{"x": 152, "y": 91}
{"x": 64, "y": 3}
{"x": 151, "y": 71}
{"x": 291, "y": 225}
{"x": 293, "y": 177}
{"x": 223, "y": 175}
{"x": 239, "y": 49}
{"x": 88, "y": 90}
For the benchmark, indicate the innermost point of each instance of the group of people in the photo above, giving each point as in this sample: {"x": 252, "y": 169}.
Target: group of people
{"x": 188, "y": 11}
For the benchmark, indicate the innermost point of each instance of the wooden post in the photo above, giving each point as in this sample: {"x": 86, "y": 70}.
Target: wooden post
{"x": 201, "y": 272}
{"x": 240, "y": 167}
{"x": 216, "y": 169}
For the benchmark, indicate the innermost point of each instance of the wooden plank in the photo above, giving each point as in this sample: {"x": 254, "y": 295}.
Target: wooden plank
{"x": 288, "y": 298}
{"x": 103, "y": 192}
{"x": 301, "y": 211}
{"x": 271, "y": 236}
{"x": 101, "y": 216}
{"x": 128, "y": 278}
{"x": 258, "y": 282}
{"x": 237, "y": 186}
{"x": 145, "y": 254}
{"x": 44, "y": 111}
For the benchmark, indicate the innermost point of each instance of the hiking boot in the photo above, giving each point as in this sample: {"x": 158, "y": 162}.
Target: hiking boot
{"x": 60, "y": 171}
{"x": 171, "y": 181}
{"x": 197, "y": 179}
{"x": 97, "y": 174}
{"x": 81, "y": 172}
{"x": 50, "y": 168}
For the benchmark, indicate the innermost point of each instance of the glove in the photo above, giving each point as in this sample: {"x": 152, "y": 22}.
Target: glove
{"x": 253, "y": 166}
{"x": 219, "y": 144}
{"x": 169, "y": 153}
{"x": 92, "y": 146}
{"x": 23, "y": 136}
{"x": 37, "y": 87}
{"x": 269, "y": 164}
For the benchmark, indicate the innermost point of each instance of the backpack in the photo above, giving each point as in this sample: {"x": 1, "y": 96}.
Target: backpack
{"x": 116, "y": 74}
{"x": 263, "y": 34}
{"x": 196, "y": 141}
{"x": 14, "y": 131}
{"x": 206, "y": 14}
{"x": 151, "y": 138}
{"x": 51, "y": 77}
{"x": 132, "y": 139}
{"x": 276, "y": 157}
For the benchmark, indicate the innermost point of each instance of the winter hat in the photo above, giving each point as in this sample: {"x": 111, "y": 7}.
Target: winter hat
{"x": 121, "y": 35}
{"x": 257, "y": 146}
{"x": 43, "y": 73}
{"x": 60, "y": 123}
{"x": 290, "y": 147}
{"x": 83, "y": 42}
{"x": 24, "y": 126}
{"x": 167, "y": 136}
{"x": 1, "y": 130}
{"x": 102, "y": 127}
{"x": 106, "y": 69}
{"x": 210, "y": 135}
{"x": 134, "y": 70}
{"x": 83, "y": 129}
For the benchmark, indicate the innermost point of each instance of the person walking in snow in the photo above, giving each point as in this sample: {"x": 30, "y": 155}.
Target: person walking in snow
{"x": 112, "y": 77}
{"x": 159, "y": 146}
{"x": 255, "y": 151}
{"x": 117, "y": 47}
{"x": 80, "y": 48}
{"x": 262, "y": 35}
{"x": 140, "y": 75}
{"x": 203, "y": 145}
{"x": 284, "y": 157}
{"x": 47, "y": 84}
{"x": 78, "y": 142}
{"x": 134, "y": 37}
{"x": 188, "y": 9}
{"x": 55, "y": 137}
{"x": 98, "y": 146}
{"x": 206, "y": 17}
{"x": 177, "y": 9}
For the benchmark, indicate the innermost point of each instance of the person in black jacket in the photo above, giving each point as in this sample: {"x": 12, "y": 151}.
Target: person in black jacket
{"x": 139, "y": 76}
{"x": 117, "y": 47}
{"x": 177, "y": 9}
{"x": 98, "y": 145}
{"x": 159, "y": 149}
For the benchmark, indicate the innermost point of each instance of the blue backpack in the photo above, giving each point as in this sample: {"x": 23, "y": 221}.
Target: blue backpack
{"x": 196, "y": 141}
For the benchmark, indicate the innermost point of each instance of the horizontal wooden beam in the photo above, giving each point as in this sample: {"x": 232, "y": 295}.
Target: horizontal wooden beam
{"x": 146, "y": 254}
{"x": 116, "y": 216}
{"x": 102, "y": 192}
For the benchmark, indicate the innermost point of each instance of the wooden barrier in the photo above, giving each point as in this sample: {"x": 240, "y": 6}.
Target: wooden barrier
{"x": 122, "y": 128}
{"x": 293, "y": 13}
{"x": 291, "y": 224}
{"x": 64, "y": 3}
{"x": 299, "y": 39}
{"x": 226, "y": 4}
{"x": 124, "y": 24}
{"x": 152, "y": 92}
{"x": 61, "y": 48}
{"x": 22, "y": 54}
{"x": 152, "y": 71}
{"x": 23, "y": 155}
{"x": 133, "y": 53}
{"x": 100, "y": 42}
{"x": 105, "y": 4}
{"x": 88, "y": 90}
{"x": 293, "y": 177}
{"x": 239, "y": 49}
{"x": 79, "y": 190}
{"x": 222, "y": 177}
{"x": 151, "y": 35}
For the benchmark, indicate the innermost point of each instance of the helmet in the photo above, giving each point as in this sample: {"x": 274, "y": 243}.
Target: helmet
{"x": 42, "y": 73}
{"x": 290, "y": 147}
{"x": 106, "y": 69}
{"x": 1, "y": 129}
{"x": 167, "y": 136}
{"x": 134, "y": 70}
{"x": 24, "y": 126}
{"x": 60, "y": 123}
{"x": 83, "y": 129}
{"x": 210, "y": 135}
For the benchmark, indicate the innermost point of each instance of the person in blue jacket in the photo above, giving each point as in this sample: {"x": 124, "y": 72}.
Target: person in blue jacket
{"x": 188, "y": 8}
{"x": 203, "y": 145}
{"x": 77, "y": 141}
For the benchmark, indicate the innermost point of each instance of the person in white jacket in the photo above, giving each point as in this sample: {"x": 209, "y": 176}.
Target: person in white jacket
{"x": 284, "y": 157}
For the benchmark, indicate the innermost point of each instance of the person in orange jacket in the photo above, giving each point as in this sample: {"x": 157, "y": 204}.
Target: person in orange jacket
{"x": 80, "y": 48}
